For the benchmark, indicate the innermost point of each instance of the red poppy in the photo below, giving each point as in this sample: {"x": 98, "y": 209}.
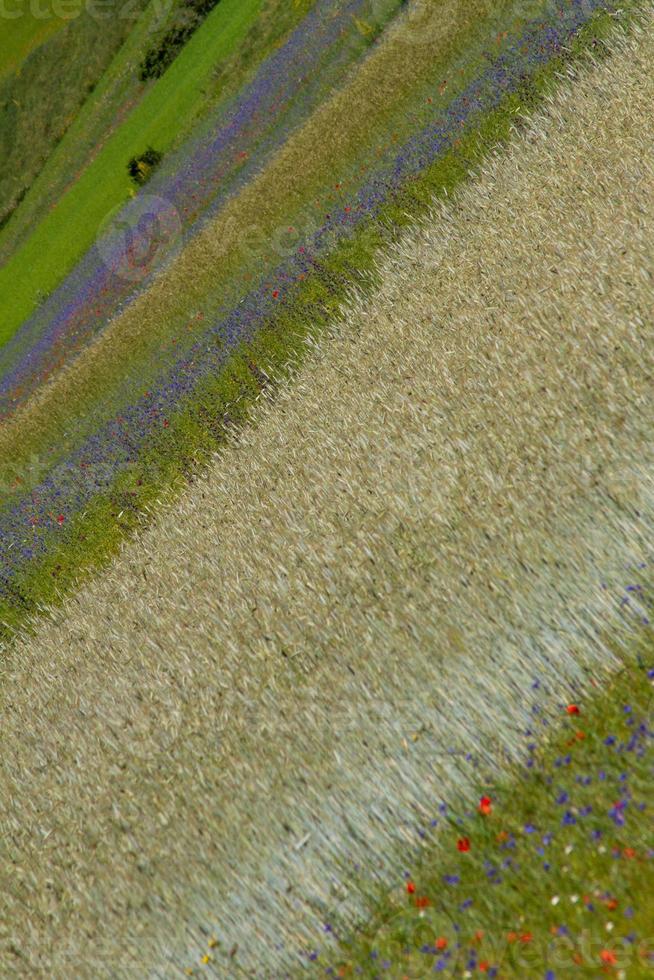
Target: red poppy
{"x": 608, "y": 956}
{"x": 484, "y": 965}
{"x": 485, "y": 805}
{"x": 276, "y": 294}
{"x": 463, "y": 843}
{"x": 60, "y": 519}
{"x": 629, "y": 852}
{"x": 410, "y": 887}
{"x": 422, "y": 902}
{"x": 441, "y": 943}
{"x": 572, "y": 709}
{"x": 526, "y": 937}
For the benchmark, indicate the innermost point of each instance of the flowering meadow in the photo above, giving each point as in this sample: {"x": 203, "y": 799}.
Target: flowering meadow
{"x": 551, "y": 875}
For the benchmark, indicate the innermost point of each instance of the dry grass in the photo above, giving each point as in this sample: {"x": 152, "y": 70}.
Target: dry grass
{"x": 416, "y": 527}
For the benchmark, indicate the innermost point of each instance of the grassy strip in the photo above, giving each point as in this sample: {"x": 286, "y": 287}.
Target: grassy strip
{"x": 39, "y": 102}
{"x": 70, "y": 229}
{"x": 553, "y": 873}
{"x": 120, "y": 91}
{"x": 116, "y": 92}
{"x": 90, "y": 539}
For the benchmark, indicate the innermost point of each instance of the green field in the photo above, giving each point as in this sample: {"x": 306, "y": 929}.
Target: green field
{"x": 68, "y": 231}
{"x": 119, "y": 92}
{"x": 44, "y": 95}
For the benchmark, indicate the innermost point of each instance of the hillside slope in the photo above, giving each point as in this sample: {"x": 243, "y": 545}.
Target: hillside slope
{"x": 210, "y": 736}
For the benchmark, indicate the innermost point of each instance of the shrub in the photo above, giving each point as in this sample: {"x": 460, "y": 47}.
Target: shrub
{"x": 140, "y": 168}
{"x": 160, "y": 57}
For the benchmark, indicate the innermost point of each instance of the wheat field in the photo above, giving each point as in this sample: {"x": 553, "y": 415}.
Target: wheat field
{"x": 443, "y": 504}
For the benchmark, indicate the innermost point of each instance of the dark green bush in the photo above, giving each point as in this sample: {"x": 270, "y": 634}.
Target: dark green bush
{"x": 159, "y": 58}
{"x": 140, "y": 168}
{"x": 162, "y": 55}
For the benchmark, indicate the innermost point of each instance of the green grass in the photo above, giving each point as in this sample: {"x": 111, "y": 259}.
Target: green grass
{"x": 22, "y": 34}
{"x": 70, "y": 229}
{"x": 43, "y": 93}
{"x": 115, "y": 95}
{"x": 119, "y": 92}
{"x": 195, "y": 431}
{"x": 579, "y": 884}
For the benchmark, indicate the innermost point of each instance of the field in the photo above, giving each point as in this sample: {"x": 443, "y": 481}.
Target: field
{"x": 65, "y": 234}
{"x": 166, "y": 324}
{"x": 224, "y": 748}
{"x": 38, "y": 102}
{"x": 562, "y": 882}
